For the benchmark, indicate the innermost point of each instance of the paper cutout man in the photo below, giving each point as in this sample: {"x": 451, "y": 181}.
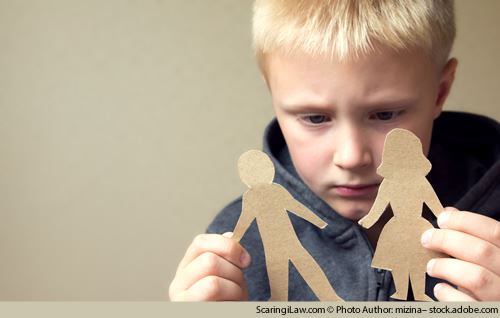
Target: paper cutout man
{"x": 405, "y": 189}
{"x": 267, "y": 203}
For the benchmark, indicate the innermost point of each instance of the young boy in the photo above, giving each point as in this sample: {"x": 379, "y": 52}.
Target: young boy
{"x": 342, "y": 74}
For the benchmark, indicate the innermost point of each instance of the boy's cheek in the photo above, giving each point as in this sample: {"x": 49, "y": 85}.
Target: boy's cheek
{"x": 308, "y": 164}
{"x": 305, "y": 166}
{"x": 309, "y": 157}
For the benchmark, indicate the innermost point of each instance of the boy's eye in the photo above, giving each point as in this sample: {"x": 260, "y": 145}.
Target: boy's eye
{"x": 385, "y": 115}
{"x": 316, "y": 119}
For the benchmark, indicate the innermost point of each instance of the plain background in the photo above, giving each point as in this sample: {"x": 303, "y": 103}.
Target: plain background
{"x": 120, "y": 126}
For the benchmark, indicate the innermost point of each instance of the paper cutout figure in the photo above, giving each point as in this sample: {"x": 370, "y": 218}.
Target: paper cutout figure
{"x": 267, "y": 203}
{"x": 405, "y": 189}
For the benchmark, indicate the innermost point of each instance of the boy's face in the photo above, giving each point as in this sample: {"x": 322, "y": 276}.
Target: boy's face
{"x": 334, "y": 117}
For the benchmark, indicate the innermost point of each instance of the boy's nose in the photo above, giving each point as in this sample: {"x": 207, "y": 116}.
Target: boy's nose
{"x": 352, "y": 150}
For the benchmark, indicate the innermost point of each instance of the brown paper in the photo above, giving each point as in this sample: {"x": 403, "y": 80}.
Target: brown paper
{"x": 267, "y": 203}
{"x": 405, "y": 189}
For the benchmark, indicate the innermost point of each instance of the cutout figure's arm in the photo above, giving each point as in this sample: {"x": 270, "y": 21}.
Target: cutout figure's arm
{"x": 246, "y": 218}
{"x": 302, "y": 211}
{"x": 431, "y": 199}
{"x": 377, "y": 209}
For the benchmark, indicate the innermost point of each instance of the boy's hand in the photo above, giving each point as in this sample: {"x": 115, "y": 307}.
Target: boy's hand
{"x": 211, "y": 270}
{"x": 474, "y": 242}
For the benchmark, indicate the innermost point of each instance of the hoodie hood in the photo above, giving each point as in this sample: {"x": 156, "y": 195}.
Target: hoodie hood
{"x": 465, "y": 154}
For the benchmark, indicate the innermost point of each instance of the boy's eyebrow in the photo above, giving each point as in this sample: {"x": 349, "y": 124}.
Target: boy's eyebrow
{"x": 306, "y": 107}
{"x": 391, "y": 103}
{"x": 303, "y": 106}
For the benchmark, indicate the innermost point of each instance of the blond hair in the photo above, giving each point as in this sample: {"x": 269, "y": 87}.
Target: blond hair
{"x": 345, "y": 29}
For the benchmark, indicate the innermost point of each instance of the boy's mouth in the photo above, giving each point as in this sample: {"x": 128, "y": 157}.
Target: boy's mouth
{"x": 355, "y": 190}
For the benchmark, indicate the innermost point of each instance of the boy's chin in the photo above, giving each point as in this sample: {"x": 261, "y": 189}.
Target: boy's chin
{"x": 353, "y": 211}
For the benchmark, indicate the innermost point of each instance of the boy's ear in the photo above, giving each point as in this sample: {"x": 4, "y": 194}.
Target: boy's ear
{"x": 264, "y": 78}
{"x": 445, "y": 83}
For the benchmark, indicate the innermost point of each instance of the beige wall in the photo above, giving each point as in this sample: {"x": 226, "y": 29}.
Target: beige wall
{"x": 120, "y": 127}
{"x": 476, "y": 87}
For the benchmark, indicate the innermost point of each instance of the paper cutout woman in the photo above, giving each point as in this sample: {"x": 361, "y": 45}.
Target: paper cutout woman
{"x": 405, "y": 189}
{"x": 267, "y": 203}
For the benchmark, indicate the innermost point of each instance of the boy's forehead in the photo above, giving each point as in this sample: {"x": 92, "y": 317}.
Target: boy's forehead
{"x": 379, "y": 55}
{"x": 383, "y": 76}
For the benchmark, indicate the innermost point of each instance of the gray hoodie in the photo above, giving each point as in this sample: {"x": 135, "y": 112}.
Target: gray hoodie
{"x": 465, "y": 174}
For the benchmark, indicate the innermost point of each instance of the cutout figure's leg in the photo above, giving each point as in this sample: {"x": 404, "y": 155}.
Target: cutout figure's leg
{"x": 315, "y": 277}
{"x": 401, "y": 283}
{"x": 277, "y": 271}
{"x": 418, "y": 285}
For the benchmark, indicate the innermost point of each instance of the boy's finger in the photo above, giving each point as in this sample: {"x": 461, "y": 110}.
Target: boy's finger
{"x": 472, "y": 223}
{"x": 208, "y": 264}
{"x": 212, "y": 288}
{"x": 482, "y": 283}
{"x": 218, "y": 244}
{"x": 463, "y": 246}
{"x": 445, "y": 292}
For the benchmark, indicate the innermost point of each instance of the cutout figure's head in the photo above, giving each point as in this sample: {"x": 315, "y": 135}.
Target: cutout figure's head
{"x": 403, "y": 156}
{"x": 255, "y": 167}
